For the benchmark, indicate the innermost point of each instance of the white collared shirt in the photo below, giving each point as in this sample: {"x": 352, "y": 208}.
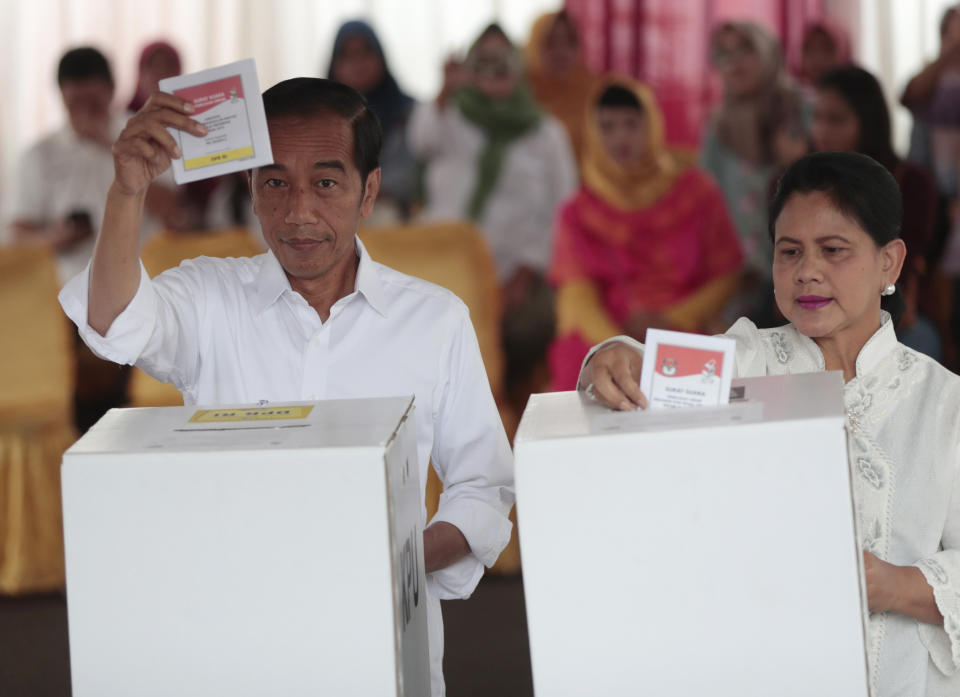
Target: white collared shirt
{"x": 233, "y": 331}
{"x": 63, "y": 174}
{"x": 903, "y": 436}
{"x": 538, "y": 173}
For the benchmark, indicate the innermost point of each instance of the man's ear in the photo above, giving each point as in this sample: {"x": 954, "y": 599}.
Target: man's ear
{"x": 370, "y": 190}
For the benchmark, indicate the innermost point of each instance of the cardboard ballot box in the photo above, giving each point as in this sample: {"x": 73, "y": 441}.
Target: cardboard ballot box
{"x": 705, "y": 551}
{"x": 271, "y": 550}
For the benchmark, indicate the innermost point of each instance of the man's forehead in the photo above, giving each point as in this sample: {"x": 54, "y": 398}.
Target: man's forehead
{"x": 306, "y": 140}
{"x": 319, "y": 128}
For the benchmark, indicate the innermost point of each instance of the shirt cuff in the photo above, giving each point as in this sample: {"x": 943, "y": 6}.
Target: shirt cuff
{"x": 942, "y": 642}
{"x": 131, "y": 330}
{"x": 487, "y": 531}
{"x": 629, "y": 341}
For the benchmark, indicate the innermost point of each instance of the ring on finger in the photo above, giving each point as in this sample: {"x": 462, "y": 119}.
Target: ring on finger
{"x": 589, "y": 391}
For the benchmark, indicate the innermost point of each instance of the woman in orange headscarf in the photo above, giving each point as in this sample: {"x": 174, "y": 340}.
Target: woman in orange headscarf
{"x": 560, "y": 79}
{"x": 644, "y": 242}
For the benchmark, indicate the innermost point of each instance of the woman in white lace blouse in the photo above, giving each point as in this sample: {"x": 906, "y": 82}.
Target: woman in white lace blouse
{"x": 837, "y": 255}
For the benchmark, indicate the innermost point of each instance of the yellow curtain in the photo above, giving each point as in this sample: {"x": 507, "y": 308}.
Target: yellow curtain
{"x": 36, "y": 420}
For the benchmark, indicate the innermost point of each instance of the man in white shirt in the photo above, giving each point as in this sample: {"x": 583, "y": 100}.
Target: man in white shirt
{"x": 313, "y": 318}
{"x": 63, "y": 179}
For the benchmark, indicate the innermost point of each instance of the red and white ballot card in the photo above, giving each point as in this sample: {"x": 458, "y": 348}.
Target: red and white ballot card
{"x": 686, "y": 370}
{"x": 227, "y": 101}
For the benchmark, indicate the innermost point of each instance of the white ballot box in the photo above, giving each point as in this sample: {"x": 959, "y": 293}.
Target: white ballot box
{"x": 272, "y": 550}
{"x": 697, "y": 552}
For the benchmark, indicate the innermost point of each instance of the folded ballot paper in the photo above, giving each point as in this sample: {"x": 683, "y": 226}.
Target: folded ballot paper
{"x": 686, "y": 370}
{"x": 227, "y": 101}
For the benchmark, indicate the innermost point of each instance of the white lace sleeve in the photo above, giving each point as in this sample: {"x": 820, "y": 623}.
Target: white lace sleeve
{"x": 942, "y": 572}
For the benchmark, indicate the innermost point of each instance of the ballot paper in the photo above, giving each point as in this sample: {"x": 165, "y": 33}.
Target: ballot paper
{"x": 686, "y": 370}
{"x": 227, "y": 101}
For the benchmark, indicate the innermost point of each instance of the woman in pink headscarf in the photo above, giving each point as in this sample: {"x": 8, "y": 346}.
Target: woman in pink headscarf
{"x": 158, "y": 60}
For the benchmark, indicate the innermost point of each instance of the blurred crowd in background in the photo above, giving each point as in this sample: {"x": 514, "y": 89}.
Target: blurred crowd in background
{"x": 596, "y": 225}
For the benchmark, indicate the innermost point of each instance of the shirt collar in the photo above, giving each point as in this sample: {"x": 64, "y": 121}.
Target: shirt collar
{"x": 272, "y": 281}
{"x": 368, "y": 280}
{"x": 878, "y": 346}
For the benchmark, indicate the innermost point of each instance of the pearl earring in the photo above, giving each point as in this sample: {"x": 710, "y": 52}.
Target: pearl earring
{"x": 889, "y": 290}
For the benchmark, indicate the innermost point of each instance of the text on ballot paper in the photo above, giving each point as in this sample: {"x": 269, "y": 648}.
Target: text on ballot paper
{"x": 686, "y": 370}
{"x": 227, "y": 101}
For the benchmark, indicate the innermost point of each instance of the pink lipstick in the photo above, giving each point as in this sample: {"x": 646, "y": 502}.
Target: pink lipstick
{"x": 813, "y": 302}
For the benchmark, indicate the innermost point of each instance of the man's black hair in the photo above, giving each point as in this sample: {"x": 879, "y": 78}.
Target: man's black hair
{"x": 618, "y": 96}
{"x": 83, "y": 63}
{"x": 305, "y": 97}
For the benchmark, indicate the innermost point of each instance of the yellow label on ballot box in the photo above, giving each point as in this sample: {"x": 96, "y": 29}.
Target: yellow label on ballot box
{"x": 206, "y": 416}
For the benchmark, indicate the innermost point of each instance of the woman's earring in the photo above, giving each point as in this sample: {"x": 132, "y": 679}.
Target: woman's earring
{"x": 889, "y": 290}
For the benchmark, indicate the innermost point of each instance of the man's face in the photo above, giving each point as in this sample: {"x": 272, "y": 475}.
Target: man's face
{"x": 87, "y": 103}
{"x": 311, "y": 200}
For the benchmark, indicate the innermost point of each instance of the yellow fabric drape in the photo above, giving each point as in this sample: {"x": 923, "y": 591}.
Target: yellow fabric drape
{"x": 36, "y": 420}
{"x": 31, "y": 523}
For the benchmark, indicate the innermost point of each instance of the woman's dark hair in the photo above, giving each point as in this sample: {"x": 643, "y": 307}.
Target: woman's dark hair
{"x": 860, "y": 188}
{"x": 83, "y": 63}
{"x": 618, "y": 96}
{"x": 306, "y": 97}
{"x": 945, "y": 18}
{"x": 863, "y": 94}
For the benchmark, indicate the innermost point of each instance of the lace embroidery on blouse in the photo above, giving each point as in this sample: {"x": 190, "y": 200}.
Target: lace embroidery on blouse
{"x": 873, "y": 475}
{"x": 782, "y": 348}
{"x": 947, "y": 597}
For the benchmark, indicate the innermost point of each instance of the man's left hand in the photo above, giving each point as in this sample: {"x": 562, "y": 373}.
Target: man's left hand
{"x": 443, "y": 544}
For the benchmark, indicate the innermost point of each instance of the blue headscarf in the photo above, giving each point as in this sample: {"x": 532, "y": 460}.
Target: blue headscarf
{"x": 387, "y": 100}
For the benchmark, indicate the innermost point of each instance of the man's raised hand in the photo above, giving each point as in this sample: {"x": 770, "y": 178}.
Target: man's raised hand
{"x": 145, "y": 147}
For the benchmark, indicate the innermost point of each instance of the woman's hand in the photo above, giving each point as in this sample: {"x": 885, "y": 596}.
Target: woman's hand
{"x": 900, "y": 589}
{"x": 614, "y": 373}
{"x": 883, "y": 583}
{"x": 145, "y": 147}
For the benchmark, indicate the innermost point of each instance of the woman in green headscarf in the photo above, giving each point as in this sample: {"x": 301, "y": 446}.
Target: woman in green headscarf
{"x": 492, "y": 156}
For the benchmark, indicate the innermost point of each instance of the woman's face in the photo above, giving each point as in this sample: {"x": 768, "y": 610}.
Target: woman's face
{"x": 358, "y": 65}
{"x": 827, "y": 271}
{"x": 739, "y": 63}
{"x": 836, "y": 125}
{"x": 819, "y": 54}
{"x": 561, "y": 48}
{"x": 624, "y": 132}
{"x": 492, "y": 72}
